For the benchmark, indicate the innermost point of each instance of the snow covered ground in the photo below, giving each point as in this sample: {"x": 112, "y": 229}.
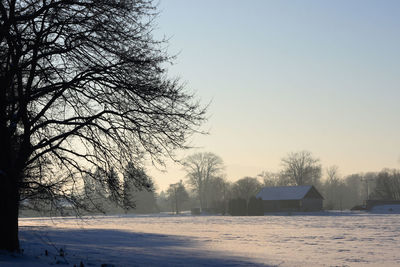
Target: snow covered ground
{"x": 322, "y": 239}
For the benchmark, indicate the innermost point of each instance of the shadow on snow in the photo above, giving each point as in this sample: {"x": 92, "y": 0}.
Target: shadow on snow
{"x": 121, "y": 248}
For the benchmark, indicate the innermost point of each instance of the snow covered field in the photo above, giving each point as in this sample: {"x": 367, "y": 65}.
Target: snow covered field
{"x": 325, "y": 239}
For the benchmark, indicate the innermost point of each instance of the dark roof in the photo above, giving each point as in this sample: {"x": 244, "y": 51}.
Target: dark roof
{"x": 287, "y": 192}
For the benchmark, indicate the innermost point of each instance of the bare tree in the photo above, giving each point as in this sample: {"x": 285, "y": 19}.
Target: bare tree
{"x": 218, "y": 194}
{"x": 273, "y": 179}
{"x": 200, "y": 169}
{"x": 177, "y": 195}
{"x": 332, "y": 174}
{"x": 246, "y": 188}
{"x": 354, "y": 193}
{"x": 83, "y": 84}
{"x": 333, "y": 188}
{"x": 301, "y": 168}
{"x": 387, "y": 185}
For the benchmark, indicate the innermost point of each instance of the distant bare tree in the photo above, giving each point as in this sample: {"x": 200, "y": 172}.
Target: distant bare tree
{"x": 355, "y": 189}
{"x": 218, "y": 194}
{"x": 138, "y": 188}
{"x": 332, "y": 174}
{"x": 177, "y": 195}
{"x": 200, "y": 169}
{"x": 95, "y": 191}
{"x": 333, "y": 188}
{"x": 387, "y": 185}
{"x": 83, "y": 84}
{"x": 273, "y": 179}
{"x": 301, "y": 168}
{"x": 246, "y": 188}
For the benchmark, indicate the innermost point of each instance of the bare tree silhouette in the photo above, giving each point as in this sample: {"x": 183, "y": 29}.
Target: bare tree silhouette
{"x": 246, "y": 188}
{"x": 301, "y": 168}
{"x": 200, "y": 169}
{"x": 83, "y": 84}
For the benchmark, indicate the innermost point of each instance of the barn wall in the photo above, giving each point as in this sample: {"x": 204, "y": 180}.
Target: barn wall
{"x": 311, "y": 204}
{"x": 270, "y": 205}
{"x": 281, "y": 205}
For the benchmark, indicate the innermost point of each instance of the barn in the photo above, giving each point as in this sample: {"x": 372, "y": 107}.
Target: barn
{"x": 291, "y": 198}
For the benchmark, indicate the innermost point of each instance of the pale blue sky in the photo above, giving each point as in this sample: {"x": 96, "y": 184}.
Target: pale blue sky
{"x": 285, "y": 76}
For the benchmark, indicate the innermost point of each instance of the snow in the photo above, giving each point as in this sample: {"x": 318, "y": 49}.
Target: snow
{"x": 393, "y": 208}
{"x": 320, "y": 239}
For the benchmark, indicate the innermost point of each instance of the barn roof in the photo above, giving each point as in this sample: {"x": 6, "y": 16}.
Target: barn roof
{"x": 286, "y": 192}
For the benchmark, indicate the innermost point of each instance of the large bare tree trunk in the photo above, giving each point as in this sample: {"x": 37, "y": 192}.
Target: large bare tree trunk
{"x": 9, "y": 189}
{"x": 9, "y": 204}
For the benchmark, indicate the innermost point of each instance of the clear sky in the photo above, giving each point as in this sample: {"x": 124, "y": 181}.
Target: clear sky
{"x": 284, "y": 76}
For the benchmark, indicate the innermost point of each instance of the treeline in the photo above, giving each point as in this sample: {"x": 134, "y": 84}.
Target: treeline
{"x": 216, "y": 196}
{"x": 352, "y": 190}
{"x": 206, "y": 185}
{"x": 206, "y": 188}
